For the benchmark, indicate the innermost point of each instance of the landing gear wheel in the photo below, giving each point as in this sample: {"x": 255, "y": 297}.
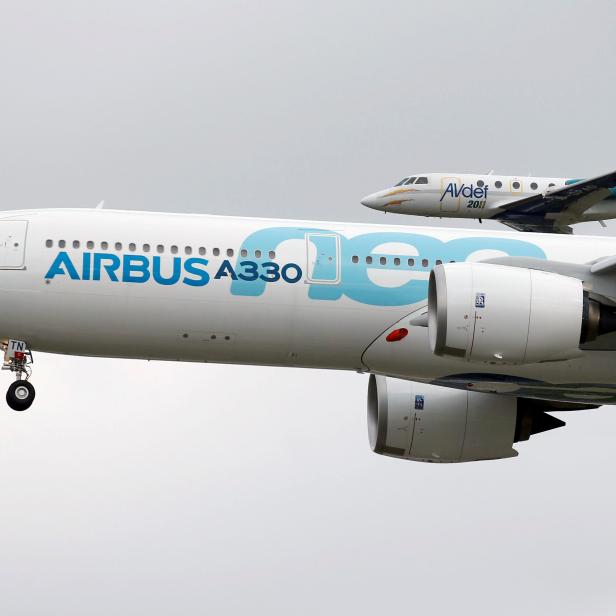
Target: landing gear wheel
{"x": 20, "y": 395}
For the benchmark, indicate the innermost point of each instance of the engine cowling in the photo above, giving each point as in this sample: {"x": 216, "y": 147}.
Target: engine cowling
{"x": 429, "y": 423}
{"x": 500, "y": 314}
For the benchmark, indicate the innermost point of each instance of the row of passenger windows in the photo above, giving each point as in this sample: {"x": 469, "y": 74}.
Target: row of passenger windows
{"x": 160, "y": 248}
{"x": 188, "y": 250}
{"x": 497, "y": 184}
{"x": 515, "y": 185}
{"x": 398, "y": 261}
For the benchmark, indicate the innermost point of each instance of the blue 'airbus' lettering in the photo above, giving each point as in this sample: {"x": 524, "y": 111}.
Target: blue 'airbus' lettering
{"x": 131, "y": 268}
{"x": 469, "y": 191}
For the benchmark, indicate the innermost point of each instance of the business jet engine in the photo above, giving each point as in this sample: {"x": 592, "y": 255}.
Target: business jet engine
{"x": 508, "y": 315}
{"x": 429, "y": 423}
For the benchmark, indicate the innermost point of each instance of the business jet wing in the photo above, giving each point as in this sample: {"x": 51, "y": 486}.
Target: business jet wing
{"x": 540, "y": 226}
{"x": 555, "y": 210}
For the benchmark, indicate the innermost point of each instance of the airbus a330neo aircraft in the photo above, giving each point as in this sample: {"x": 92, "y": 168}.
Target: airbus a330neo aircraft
{"x": 469, "y": 337}
{"x": 546, "y": 205}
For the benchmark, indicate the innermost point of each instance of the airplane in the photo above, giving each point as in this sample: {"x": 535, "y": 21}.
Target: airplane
{"x": 470, "y": 338}
{"x": 538, "y": 204}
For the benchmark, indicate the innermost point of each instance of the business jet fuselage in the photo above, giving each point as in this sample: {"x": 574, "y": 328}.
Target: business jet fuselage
{"x": 291, "y": 293}
{"x": 460, "y": 195}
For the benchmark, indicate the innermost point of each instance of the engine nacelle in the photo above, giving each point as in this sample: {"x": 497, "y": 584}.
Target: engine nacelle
{"x": 429, "y": 423}
{"x": 501, "y": 314}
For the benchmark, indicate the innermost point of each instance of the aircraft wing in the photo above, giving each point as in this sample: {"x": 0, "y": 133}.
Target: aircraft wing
{"x": 598, "y": 276}
{"x": 540, "y": 226}
{"x": 554, "y": 211}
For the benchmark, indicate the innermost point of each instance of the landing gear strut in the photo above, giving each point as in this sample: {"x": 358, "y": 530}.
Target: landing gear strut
{"x": 17, "y": 359}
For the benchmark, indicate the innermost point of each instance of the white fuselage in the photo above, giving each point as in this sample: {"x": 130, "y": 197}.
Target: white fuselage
{"x": 257, "y": 291}
{"x": 455, "y": 195}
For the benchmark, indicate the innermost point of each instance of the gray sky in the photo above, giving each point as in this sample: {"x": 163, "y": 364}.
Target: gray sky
{"x": 156, "y": 488}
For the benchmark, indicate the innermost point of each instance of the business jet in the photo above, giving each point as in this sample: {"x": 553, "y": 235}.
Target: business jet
{"x": 545, "y": 205}
{"x": 470, "y": 338}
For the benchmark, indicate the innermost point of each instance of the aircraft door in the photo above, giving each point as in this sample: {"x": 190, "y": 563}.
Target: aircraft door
{"x": 12, "y": 243}
{"x": 450, "y": 193}
{"x": 323, "y": 258}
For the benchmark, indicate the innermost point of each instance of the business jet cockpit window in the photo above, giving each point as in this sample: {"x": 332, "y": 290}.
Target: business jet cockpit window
{"x": 402, "y": 181}
{"x": 411, "y": 180}
{"x": 422, "y": 180}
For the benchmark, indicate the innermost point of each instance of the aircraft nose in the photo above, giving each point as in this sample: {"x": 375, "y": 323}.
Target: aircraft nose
{"x": 373, "y": 201}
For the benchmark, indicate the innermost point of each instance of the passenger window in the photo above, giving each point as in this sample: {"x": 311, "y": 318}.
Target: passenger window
{"x": 201, "y": 250}
{"x": 411, "y": 180}
{"x": 76, "y": 244}
{"x": 396, "y": 261}
{"x": 118, "y": 246}
{"x": 272, "y": 254}
{"x": 551, "y": 184}
{"x": 257, "y": 254}
{"x": 422, "y": 180}
{"x": 355, "y": 259}
{"x": 104, "y": 245}
{"x": 516, "y": 185}
{"x": 174, "y": 250}
{"x": 401, "y": 182}
{"x": 132, "y": 247}
{"x": 90, "y": 244}
{"x": 146, "y": 248}
{"x": 187, "y": 250}
{"x": 216, "y": 252}
{"x": 49, "y": 243}
{"x": 244, "y": 252}
{"x": 411, "y": 262}
{"x": 438, "y": 262}
{"x": 368, "y": 260}
{"x": 480, "y": 183}
{"x": 534, "y": 185}
{"x": 61, "y": 244}
{"x": 424, "y": 262}
{"x": 498, "y": 184}
{"x": 160, "y": 249}
{"x": 229, "y": 252}
{"x": 383, "y": 260}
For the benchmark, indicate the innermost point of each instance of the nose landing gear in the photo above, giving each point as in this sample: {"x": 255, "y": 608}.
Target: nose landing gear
{"x": 17, "y": 359}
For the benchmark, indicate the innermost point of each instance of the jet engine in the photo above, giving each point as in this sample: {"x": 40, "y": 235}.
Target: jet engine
{"x": 509, "y": 315}
{"x": 429, "y": 423}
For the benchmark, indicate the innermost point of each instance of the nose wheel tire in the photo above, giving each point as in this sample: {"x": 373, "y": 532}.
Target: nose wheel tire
{"x": 20, "y": 395}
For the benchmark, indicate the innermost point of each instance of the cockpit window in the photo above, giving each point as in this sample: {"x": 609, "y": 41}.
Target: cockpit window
{"x": 411, "y": 180}
{"x": 422, "y": 180}
{"x": 401, "y": 182}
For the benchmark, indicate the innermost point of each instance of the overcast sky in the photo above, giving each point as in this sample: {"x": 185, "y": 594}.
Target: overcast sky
{"x": 155, "y": 488}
